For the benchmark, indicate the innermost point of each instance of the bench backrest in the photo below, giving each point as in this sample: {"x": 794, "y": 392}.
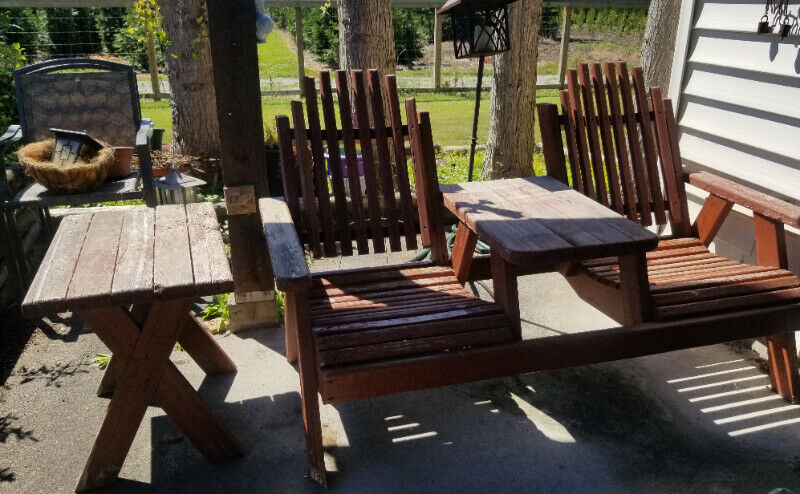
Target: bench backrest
{"x": 621, "y": 146}
{"x": 95, "y": 96}
{"x": 350, "y": 182}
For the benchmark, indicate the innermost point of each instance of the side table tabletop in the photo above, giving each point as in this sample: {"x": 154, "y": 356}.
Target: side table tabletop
{"x": 539, "y": 221}
{"x": 132, "y": 275}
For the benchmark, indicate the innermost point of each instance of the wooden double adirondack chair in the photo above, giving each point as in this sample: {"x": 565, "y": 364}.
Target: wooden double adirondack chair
{"x": 622, "y": 150}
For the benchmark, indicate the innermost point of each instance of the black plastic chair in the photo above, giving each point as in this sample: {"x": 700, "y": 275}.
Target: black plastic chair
{"x": 95, "y": 96}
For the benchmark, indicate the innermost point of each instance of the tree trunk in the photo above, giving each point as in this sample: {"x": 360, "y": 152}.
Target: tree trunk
{"x": 509, "y": 152}
{"x": 658, "y": 42}
{"x": 195, "y": 129}
{"x": 366, "y": 37}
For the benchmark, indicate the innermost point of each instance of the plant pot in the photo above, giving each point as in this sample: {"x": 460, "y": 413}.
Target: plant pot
{"x": 122, "y": 162}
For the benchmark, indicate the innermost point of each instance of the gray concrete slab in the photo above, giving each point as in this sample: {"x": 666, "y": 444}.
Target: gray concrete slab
{"x": 699, "y": 420}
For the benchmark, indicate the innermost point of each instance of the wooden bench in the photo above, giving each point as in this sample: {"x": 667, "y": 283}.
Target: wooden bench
{"x": 622, "y": 150}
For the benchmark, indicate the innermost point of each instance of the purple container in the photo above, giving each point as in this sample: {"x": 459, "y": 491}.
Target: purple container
{"x": 343, "y": 161}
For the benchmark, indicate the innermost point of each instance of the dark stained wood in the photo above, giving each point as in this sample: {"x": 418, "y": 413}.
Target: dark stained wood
{"x": 617, "y": 202}
{"x": 48, "y": 290}
{"x": 504, "y": 283}
{"x": 765, "y": 205}
{"x": 203, "y": 348}
{"x": 634, "y": 288}
{"x": 552, "y": 145}
{"x": 368, "y": 159}
{"x": 94, "y": 271}
{"x": 639, "y": 170}
{"x": 711, "y": 217}
{"x": 554, "y": 352}
{"x": 289, "y": 176}
{"x": 286, "y": 253}
{"x": 580, "y": 130}
{"x": 427, "y": 181}
{"x": 241, "y": 132}
{"x": 400, "y": 165}
{"x": 617, "y": 123}
{"x": 172, "y": 260}
{"x": 591, "y": 130}
{"x": 346, "y": 116}
{"x": 335, "y": 163}
{"x": 646, "y": 129}
{"x": 320, "y": 178}
{"x": 384, "y": 159}
{"x": 298, "y": 302}
{"x": 306, "y": 172}
{"x": 290, "y": 330}
{"x": 133, "y": 274}
{"x": 572, "y": 144}
{"x": 174, "y": 394}
{"x": 212, "y": 273}
{"x": 671, "y": 170}
{"x": 463, "y": 249}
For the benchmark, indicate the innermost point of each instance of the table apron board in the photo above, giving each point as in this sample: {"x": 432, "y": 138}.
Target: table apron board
{"x": 136, "y": 255}
{"x": 539, "y": 220}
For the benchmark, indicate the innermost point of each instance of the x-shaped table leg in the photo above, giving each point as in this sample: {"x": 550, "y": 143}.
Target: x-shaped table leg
{"x": 142, "y": 352}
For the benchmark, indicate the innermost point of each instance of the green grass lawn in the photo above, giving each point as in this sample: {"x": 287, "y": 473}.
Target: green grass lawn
{"x": 275, "y": 59}
{"x": 451, "y": 114}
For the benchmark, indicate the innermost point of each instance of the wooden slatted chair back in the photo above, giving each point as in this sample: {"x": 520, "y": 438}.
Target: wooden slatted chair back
{"x": 348, "y": 183}
{"x": 621, "y": 146}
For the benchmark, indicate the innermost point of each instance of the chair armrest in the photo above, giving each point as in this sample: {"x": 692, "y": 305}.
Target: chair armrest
{"x": 144, "y": 133}
{"x": 145, "y": 163}
{"x": 758, "y": 202}
{"x": 285, "y": 250}
{"x": 13, "y": 134}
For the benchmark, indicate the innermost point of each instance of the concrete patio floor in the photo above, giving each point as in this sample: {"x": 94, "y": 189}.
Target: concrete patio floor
{"x": 699, "y": 420}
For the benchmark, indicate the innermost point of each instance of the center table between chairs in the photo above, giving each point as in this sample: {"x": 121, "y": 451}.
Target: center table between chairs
{"x": 132, "y": 275}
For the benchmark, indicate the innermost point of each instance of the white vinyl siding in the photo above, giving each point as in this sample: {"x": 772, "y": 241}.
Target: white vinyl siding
{"x": 738, "y": 97}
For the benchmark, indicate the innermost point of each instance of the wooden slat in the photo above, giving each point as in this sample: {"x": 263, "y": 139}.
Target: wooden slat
{"x": 714, "y": 292}
{"x": 727, "y": 303}
{"x": 133, "y": 275}
{"x": 335, "y": 163}
{"x": 591, "y": 130}
{"x": 463, "y": 251}
{"x": 579, "y": 129}
{"x": 320, "y": 177}
{"x": 368, "y": 158}
{"x": 617, "y": 201}
{"x": 339, "y": 304}
{"x": 552, "y": 144}
{"x": 172, "y": 262}
{"x": 443, "y": 301}
{"x": 288, "y": 166}
{"x": 94, "y": 271}
{"x": 672, "y": 131}
{"x": 400, "y": 162}
{"x": 212, "y": 273}
{"x": 703, "y": 280}
{"x": 572, "y": 146}
{"x": 384, "y": 159}
{"x": 646, "y": 127}
{"x": 285, "y": 251}
{"x": 409, "y": 331}
{"x": 711, "y": 217}
{"x": 679, "y": 220}
{"x": 304, "y": 167}
{"x": 48, "y": 290}
{"x": 639, "y": 170}
{"x": 417, "y": 346}
{"x": 368, "y": 275}
{"x": 387, "y": 285}
{"x": 346, "y": 117}
{"x": 620, "y": 142}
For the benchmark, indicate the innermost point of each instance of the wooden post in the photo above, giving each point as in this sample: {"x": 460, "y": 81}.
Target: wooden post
{"x": 437, "y": 51}
{"x": 562, "y": 61}
{"x": 301, "y": 65}
{"x": 231, "y": 29}
{"x": 152, "y": 63}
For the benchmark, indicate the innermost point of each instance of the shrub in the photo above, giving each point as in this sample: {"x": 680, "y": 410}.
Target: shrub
{"x": 11, "y": 57}
{"x": 408, "y": 40}
{"x": 127, "y": 44}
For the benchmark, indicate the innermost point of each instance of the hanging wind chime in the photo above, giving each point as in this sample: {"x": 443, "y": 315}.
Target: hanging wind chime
{"x": 480, "y": 29}
{"x": 780, "y": 11}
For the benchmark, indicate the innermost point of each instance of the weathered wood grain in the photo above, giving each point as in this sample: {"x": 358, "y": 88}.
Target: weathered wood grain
{"x": 172, "y": 260}
{"x": 286, "y": 253}
{"x": 94, "y": 271}
{"x": 212, "y": 272}
{"x": 133, "y": 274}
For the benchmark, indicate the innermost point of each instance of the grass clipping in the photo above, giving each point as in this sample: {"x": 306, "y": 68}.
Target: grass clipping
{"x": 79, "y": 177}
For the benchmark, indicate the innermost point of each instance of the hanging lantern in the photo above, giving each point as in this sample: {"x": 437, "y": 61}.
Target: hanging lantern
{"x": 480, "y": 27}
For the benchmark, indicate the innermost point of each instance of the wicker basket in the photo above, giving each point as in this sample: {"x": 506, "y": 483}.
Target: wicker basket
{"x": 80, "y": 177}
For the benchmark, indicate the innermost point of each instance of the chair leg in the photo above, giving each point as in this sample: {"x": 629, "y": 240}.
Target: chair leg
{"x": 290, "y": 330}
{"x": 18, "y": 251}
{"x": 783, "y": 366}
{"x": 297, "y": 316}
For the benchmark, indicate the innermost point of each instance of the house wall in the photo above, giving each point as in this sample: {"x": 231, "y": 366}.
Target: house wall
{"x": 737, "y": 95}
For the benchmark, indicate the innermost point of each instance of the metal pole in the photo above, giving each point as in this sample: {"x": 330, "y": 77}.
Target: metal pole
{"x": 301, "y": 64}
{"x": 437, "y": 52}
{"x": 475, "y": 120}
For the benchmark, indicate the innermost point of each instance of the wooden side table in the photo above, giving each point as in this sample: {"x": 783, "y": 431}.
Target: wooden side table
{"x": 132, "y": 277}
